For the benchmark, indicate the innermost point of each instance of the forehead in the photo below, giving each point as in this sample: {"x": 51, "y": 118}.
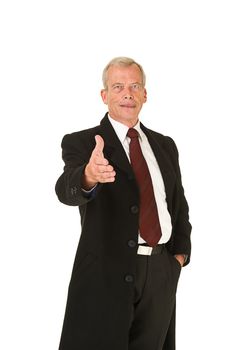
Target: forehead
{"x": 123, "y": 74}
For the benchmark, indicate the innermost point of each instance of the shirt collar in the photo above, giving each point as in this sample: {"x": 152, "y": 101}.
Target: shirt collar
{"x": 121, "y": 129}
{"x": 139, "y": 130}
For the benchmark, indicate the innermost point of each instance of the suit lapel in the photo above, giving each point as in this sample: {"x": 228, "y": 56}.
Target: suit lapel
{"x": 113, "y": 149}
{"x": 164, "y": 163}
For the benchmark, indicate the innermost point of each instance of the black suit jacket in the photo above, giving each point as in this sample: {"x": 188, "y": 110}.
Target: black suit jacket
{"x": 101, "y": 287}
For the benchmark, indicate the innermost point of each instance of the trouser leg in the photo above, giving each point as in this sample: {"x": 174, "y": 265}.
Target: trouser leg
{"x": 155, "y": 290}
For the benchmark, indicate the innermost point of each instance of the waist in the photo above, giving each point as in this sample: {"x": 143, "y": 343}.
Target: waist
{"x": 144, "y": 249}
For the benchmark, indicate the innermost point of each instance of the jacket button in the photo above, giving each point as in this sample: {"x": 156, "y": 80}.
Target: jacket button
{"x": 131, "y": 243}
{"x": 73, "y": 191}
{"x": 129, "y": 278}
{"x": 134, "y": 209}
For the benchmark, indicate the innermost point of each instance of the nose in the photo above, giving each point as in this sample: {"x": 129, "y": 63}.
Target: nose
{"x": 128, "y": 94}
{"x": 128, "y": 97}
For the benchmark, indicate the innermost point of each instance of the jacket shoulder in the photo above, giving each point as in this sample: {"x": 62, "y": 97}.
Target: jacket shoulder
{"x": 163, "y": 140}
{"x": 81, "y": 135}
{"x": 83, "y": 138}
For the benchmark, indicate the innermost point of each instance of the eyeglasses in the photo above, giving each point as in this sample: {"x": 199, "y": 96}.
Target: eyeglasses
{"x": 120, "y": 87}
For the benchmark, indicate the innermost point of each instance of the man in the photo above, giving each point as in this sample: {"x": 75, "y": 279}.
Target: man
{"x": 135, "y": 236}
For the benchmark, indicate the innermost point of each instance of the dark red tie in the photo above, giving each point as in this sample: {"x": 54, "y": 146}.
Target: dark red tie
{"x": 149, "y": 225}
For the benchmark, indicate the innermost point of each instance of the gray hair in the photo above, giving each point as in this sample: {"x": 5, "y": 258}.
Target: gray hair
{"x": 125, "y": 62}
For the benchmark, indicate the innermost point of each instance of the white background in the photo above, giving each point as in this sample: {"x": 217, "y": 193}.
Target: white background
{"x": 52, "y": 56}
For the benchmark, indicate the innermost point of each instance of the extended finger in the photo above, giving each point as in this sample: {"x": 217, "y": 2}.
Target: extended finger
{"x": 107, "y": 177}
{"x": 104, "y": 169}
{"x": 99, "y": 145}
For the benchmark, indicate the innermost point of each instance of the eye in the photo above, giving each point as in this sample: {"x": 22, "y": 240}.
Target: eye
{"x": 118, "y": 87}
{"x": 135, "y": 86}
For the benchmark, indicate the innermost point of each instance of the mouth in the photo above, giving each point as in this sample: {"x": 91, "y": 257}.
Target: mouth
{"x": 127, "y": 106}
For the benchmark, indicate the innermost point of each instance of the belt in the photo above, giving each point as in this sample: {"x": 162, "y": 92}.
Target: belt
{"x": 146, "y": 250}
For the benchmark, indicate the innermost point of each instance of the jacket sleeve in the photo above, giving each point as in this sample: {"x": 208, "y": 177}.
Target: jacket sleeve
{"x": 181, "y": 226}
{"x": 75, "y": 155}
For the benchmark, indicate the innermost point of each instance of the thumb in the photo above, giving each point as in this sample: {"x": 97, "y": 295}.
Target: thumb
{"x": 99, "y": 144}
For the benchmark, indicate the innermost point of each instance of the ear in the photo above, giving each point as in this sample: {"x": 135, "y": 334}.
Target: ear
{"x": 104, "y": 95}
{"x": 145, "y": 95}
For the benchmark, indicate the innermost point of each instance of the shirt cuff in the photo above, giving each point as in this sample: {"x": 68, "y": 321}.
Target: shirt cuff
{"x": 89, "y": 192}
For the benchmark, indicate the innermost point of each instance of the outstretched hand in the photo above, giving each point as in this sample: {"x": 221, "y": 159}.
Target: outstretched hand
{"x": 98, "y": 168}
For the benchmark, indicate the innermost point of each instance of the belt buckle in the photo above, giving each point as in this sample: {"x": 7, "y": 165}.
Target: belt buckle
{"x": 144, "y": 250}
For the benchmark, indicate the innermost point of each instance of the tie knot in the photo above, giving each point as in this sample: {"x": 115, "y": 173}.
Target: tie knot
{"x": 132, "y": 133}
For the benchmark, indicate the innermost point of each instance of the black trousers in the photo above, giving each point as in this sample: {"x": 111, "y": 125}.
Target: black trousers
{"x": 154, "y": 300}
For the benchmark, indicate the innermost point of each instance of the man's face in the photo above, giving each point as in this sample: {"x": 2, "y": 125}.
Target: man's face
{"x": 125, "y": 93}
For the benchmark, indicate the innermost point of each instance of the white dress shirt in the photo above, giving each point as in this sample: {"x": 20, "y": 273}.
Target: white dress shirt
{"x": 157, "y": 180}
